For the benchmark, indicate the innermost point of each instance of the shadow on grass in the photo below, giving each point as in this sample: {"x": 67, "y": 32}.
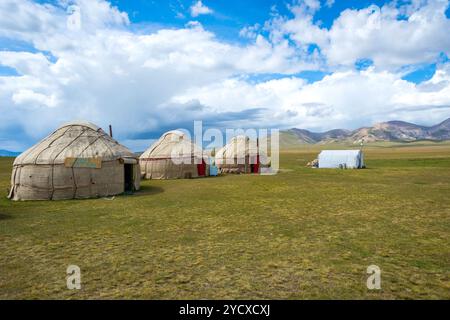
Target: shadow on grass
{"x": 146, "y": 190}
{"x": 5, "y": 216}
{"x": 214, "y": 177}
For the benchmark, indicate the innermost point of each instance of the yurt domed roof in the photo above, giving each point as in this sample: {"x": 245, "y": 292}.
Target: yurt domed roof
{"x": 238, "y": 146}
{"x": 79, "y": 139}
{"x": 173, "y": 143}
{"x": 83, "y": 123}
{"x": 179, "y": 133}
{"x": 240, "y": 138}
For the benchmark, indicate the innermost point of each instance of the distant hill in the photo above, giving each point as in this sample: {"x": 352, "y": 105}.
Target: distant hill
{"x": 6, "y": 153}
{"x": 393, "y": 131}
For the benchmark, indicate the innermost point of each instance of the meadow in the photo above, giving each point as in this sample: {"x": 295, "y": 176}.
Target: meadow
{"x": 301, "y": 234}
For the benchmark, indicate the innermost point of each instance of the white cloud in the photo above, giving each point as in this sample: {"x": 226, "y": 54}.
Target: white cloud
{"x": 312, "y": 4}
{"x": 41, "y": 23}
{"x": 377, "y": 34}
{"x": 199, "y": 8}
{"x": 346, "y": 99}
{"x": 25, "y": 62}
{"x": 250, "y": 32}
{"x": 29, "y": 97}
{"x": 374, "y": 33}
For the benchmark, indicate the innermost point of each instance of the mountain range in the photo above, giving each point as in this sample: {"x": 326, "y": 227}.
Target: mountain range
{"x": 395, "y": 131}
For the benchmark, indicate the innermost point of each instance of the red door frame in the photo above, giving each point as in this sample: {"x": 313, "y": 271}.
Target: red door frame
{"x": 256, "y": 165}
{"x": 201, "y": 168}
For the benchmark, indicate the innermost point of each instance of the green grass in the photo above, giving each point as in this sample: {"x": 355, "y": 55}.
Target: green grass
{"x": 302, "y": 234}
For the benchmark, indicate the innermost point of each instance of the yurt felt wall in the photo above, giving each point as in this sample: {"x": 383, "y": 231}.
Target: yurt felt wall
{"x": 240, "y": 155}
{"x": 78, "y": 160}
{"x": 173, "y": 156}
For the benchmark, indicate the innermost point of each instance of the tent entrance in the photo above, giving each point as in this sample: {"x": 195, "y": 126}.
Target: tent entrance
{"x": 128, "y": 177}
{"x": 201, "y": 169}
{"x": 255, "y": 167}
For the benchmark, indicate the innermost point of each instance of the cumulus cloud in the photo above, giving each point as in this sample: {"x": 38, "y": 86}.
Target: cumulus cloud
{"x": 250, "y": 32}
{"x": 329, "y": 3}
{"x": 391, "y": 36}
{"x": 198, "y": 8}
{"x": 334, "y": 101}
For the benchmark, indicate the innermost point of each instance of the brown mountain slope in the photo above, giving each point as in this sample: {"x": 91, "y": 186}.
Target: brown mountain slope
{"x": 386, "y": 131}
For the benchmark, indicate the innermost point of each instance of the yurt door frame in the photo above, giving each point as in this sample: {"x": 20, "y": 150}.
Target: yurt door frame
{"x": 201, "y": 169}
{"x": 128, "y": 177}
{"x": 255, "y": 167}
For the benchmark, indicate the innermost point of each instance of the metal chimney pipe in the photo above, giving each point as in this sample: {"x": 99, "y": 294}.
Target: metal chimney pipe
{"x": 110, "y": 131}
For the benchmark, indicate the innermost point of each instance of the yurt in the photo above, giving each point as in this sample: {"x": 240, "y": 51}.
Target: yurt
{"x": 240, "y": 155}
{"x": 344, "y": 159}
{"x": 79, "y": 160}
{"x": 174, "y": 156}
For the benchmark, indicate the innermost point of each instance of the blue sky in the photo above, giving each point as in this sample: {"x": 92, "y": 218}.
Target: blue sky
{"x": 229, "y": 16}
{"x": 150, "y": 66}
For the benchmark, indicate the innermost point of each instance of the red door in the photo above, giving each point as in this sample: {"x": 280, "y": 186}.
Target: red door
{"x": 201, "y": 169}
{"x": 256, "y": 165}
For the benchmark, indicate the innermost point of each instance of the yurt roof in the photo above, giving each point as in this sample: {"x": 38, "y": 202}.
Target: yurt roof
{"x": 173, "y": 143}
{"x": 178, "y": 133}
{"x": 78, "y": 139}
{"x": 238, "y": 146}
{"x": 240, "y": 138}
{"x": 82, "y": 123}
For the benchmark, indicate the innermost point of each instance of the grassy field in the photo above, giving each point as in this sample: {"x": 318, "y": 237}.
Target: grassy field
{"x": 302, "y": 234}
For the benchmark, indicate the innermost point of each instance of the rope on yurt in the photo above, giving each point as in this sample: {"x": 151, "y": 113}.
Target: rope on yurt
{"x": 74, "y": 184}
{"x": 112, "y": 156}
{"x": 50, "y": 144}
{"x": 11, "y": 192}
{"x": 38, "y": 144}
{"x": 53, "y": 164}
{"x": 73, "y": 171}
{"x": 146, "y": 168}
{"x": 108, "y": 147}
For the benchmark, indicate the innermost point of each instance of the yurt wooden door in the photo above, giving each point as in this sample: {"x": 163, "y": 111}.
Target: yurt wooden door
{"x": 129, "y": 177}
{"x": 201, "y": 169}
{"x": 255, "y": 167}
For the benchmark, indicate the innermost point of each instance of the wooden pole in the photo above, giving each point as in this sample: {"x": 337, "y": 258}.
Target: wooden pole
{"x": 110, "y": 131}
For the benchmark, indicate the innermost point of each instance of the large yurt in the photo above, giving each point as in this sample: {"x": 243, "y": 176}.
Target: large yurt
{"x": 240, "y": 155}
{"x": 174, "y": 156}
{"x": 78, "y": 160}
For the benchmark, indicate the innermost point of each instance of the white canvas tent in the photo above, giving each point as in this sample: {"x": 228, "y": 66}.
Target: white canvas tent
{"x": 174, "y": 156}
{"x": 240, "y": 155}
{"x": 78, "y": 160}
{"x": 351, "y": 159}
